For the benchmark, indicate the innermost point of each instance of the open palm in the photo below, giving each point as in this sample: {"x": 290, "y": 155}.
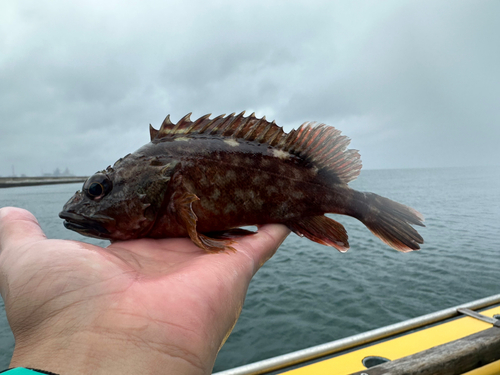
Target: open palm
{"x": 148, "y": 305}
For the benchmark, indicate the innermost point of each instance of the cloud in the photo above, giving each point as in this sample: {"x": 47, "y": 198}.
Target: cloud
{"x": 413, "y": 83}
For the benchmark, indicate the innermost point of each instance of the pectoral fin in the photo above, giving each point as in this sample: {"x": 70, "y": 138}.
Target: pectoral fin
{"x": 321, "y": 229}
{"x": 184, "y": 207}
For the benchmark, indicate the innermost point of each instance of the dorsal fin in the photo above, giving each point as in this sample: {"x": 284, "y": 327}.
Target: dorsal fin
{"x": 321, "y": 145}
{"x": 325, "y": 147}
{"x": 152, "y": 132}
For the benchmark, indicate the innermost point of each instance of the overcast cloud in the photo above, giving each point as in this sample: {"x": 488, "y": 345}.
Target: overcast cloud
{"x": 412, "y": 83}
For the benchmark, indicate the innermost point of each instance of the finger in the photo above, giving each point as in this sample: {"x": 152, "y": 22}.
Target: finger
{"x": 18, "y": 227}
{"x": 262, "y": 245}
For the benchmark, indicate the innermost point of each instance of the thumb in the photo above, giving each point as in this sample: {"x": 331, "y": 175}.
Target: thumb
{"x": 264, "y": 243}
{"x": 18, "y": 227}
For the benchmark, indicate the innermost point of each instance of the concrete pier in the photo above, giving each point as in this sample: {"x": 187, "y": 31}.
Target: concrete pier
{"x": 6, "y": 182}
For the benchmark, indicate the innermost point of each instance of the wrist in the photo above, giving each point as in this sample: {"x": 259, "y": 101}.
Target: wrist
{"x": 98, "y": 353}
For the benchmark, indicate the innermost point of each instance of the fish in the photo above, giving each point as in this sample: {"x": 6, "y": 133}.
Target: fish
{"x": 205, "y": 179}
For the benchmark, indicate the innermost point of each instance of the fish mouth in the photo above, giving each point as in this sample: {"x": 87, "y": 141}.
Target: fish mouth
{"x": 84, "y": 225}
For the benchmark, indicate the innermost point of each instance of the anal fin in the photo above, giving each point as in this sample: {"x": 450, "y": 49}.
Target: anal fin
{"x": 230, "y": 233}
{"x": 322, "y": 230}
{"x": 213, "y": 245}
{"x": 184, "y": 208}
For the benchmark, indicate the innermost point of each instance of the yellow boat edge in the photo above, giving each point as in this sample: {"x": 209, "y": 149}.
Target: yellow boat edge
{"x": 392, "y": 342}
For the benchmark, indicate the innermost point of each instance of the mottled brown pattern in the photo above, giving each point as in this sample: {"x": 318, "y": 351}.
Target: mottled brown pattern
{"x": 212, "y": 175}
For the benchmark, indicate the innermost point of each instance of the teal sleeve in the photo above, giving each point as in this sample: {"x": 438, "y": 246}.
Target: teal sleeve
{"x": 22, "y": 371}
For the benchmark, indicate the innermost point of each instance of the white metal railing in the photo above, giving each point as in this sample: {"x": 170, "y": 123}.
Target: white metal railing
{"x": 313, "y": 352}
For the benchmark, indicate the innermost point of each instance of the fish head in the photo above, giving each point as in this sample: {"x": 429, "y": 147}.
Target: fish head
{"x": 121, "y": 202}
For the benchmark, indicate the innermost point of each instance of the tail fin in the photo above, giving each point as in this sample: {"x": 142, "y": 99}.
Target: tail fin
{"x": 390, "y": 221}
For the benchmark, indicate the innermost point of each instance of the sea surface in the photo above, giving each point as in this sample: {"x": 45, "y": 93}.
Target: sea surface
{"x": 309, "y": 294}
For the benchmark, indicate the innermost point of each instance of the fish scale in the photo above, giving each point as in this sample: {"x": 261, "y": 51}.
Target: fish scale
{"x": 203, "y": 179}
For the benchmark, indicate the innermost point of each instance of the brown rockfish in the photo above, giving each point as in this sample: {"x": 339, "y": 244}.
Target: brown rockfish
{"x": 205, "y": 178}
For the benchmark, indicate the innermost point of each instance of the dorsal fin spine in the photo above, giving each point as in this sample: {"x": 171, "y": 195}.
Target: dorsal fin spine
{"x": 152, "y": 132}
{"x": 210, "y": 123}
{"x": 166, "y": 123}
{"x": 282, "y": 139}
{"x": 228, "y": 129}
{"x": 206, "y": 125}
{"x": 232, "y": 129}
{"x": 260, "y": 127}
{"x": 291, "y": 140}
{"x": 174, "y": 129}
{"x": 239, "y": 129}
{"x": 191, "y": 127}
{"x": 325, "y": 145}
{"x": 301, "y": 133}
{"x": 196, "y": 123}
{"x": 252, "y": 130}
{"x": 223, "y": 126}
{"x": 167, "y": 120}
{"x": 181, "y": 122}
{"x": 333, "y": 152}
{"x": 337, "y": 164}
{"x": 165, "y": 127}
{"x": 201, "y": 119}
{"x": 274, "y": 138}
{"x": 299, "y": 147}
{"x": 316, "y": 141}
{"x": 263, "y": 134}
{"x": 287, "y": 140}
{"x": 337, "y": 151}
{"x": 216, "y": 126}
{"x": 321, "y": 144}
{"x": 334, "y": 160}
{"x": 214, "y": 123}
{"x": 186, "y": 118}
{"x": 309, "y": 137}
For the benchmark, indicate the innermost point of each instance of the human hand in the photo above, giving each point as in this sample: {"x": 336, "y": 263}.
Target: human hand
{"x": 142, "y": 306}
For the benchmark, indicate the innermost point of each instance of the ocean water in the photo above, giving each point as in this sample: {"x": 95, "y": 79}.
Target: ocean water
{"x": 309, "y": 294}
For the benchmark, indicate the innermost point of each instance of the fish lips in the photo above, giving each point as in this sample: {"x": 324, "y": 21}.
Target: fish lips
{"x": 84, "y": 225}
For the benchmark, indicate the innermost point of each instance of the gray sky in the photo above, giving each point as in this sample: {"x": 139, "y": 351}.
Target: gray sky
{"x": 412, "y": 83}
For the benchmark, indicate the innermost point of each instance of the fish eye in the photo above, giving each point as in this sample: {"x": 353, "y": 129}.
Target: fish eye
{"x": 97, "y": 186}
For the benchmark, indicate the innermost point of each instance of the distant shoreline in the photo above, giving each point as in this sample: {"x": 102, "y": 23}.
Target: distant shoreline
{"x": 6, "y": 182}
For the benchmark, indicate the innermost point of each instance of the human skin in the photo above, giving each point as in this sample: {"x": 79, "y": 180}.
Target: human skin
{"x": 141, "y": 306}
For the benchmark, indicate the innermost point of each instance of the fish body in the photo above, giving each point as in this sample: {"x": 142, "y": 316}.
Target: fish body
{"x": 205, "y": 178}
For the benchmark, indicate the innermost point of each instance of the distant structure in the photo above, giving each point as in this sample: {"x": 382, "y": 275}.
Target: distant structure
{"x": 57, "y": 173}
